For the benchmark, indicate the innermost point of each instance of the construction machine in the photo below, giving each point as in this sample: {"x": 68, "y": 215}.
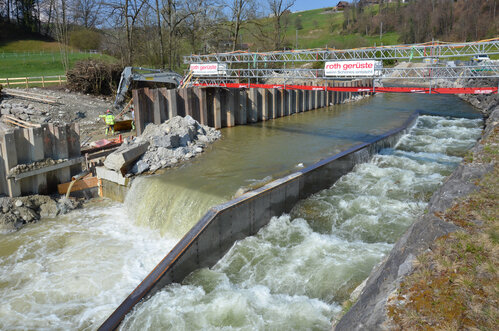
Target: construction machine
{"x": 139, "y": 74}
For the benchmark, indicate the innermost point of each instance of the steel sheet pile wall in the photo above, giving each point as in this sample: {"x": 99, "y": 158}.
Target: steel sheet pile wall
{"x": 224, "y": 224}
{"x": 221, "y": 107}
{"x": 26, "y": 146}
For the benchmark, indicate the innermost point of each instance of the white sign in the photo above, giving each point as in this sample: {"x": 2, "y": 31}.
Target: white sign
{"x": 350, "y": 68}
{"x": 204, "y": 69}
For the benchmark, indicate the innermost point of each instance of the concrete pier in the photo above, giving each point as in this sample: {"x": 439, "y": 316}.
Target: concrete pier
{"x": 30, "y": 145}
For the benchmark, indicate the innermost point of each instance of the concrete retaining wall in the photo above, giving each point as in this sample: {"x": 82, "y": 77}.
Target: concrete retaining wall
{"x": 224, "y": 224}
{"x": 225, "y": 107}
{"x": 25, "y": 146}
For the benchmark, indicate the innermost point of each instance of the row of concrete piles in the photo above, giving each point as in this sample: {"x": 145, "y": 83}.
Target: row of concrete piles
{"x": 49, "y": 155}
{"x": 220, "y": 107}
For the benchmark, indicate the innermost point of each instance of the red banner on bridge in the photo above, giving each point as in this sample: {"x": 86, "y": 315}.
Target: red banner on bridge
{"x": 424, "y": 90}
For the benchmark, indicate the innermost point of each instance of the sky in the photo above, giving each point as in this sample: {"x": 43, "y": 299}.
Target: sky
{"x": 313, "y": 4}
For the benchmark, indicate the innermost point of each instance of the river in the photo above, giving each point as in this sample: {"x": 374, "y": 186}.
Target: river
{"x": 73, "y": 271}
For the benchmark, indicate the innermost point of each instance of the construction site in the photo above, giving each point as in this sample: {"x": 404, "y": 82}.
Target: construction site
{"x": 208, "y": 162}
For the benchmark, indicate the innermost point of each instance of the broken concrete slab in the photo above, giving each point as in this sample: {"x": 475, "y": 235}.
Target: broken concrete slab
{"x": 111, "y": 175}
{"x": 125, "y": 156}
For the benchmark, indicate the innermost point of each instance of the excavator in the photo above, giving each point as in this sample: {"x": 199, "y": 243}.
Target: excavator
{"x": 139, "y": 74}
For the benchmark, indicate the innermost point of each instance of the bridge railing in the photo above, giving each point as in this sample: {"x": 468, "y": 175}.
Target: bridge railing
{"x": 417, "y": 73}
{"x": 412, "y": 51}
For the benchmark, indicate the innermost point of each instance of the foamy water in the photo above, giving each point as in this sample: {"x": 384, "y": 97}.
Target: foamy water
{"x": 296, "y": 272}
{"x": 70, "y": 272}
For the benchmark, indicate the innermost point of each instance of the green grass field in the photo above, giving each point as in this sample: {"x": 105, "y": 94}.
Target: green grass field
{"x": 32, "y": 58}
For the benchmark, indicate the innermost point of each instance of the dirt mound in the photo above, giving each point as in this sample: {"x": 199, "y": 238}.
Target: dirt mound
{"x": 95, "y": 77}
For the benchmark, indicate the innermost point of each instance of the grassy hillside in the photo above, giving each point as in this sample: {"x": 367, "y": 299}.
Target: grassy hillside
{"x": 38, "y": 63}
{"x": 320, "y": 28}
{"x": 32, "y": 55}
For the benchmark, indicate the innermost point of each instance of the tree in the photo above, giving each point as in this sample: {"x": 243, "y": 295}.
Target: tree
{"x": 278, "y": 9}
{"x": 86, "y": 12}
{"x": 240, "y": 13}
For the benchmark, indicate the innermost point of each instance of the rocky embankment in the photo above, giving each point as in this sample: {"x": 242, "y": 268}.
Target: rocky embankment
{"x": 161, "y": 146}
{"x": 484, "y": 102}
{"x": 17, "y": 212}
{"x": 370, "y": 310}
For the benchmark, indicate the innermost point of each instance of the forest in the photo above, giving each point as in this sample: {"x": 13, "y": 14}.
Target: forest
{"x": 159, "y": 32}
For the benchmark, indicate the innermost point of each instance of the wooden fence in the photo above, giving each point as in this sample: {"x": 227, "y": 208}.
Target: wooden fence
{"x": 27, "y": 81}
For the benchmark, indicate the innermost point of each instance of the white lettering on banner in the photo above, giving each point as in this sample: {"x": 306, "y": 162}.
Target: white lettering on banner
{"x": 350, "y": 68}
{"x": 483, "y": 91}
{"x": 202, "y": 69}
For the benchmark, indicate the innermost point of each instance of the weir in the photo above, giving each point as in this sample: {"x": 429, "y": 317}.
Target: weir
{"x": 221, "y": 107}
{"x": 224, "y": 224}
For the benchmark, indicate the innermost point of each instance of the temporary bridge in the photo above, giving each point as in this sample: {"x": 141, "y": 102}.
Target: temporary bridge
{"x": 248, "y": 67}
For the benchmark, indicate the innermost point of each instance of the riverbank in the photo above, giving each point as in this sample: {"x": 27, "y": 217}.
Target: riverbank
{"x": 443, "y": 271}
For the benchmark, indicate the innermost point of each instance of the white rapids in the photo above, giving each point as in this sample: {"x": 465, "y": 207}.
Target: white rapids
{"x": 296, "y": 272}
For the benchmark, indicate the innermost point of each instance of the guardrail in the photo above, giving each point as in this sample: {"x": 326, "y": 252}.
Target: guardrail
{"x": 27, "y": 81}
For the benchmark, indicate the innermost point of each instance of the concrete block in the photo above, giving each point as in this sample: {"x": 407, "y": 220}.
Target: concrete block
{"x": 284, "y": 110}
{"x": 203, "y": 106}
{"x": 231, "y": 106}
{"x": 217, "y": 109}
{"x": 111, "y": 176}
{"x": 171, "y": 97}
{"x": 253, "y": 106}
{"x": 273, "y": 111}
{"x": 242, "y": 108}
{"x": 265, "y": 105}
{"x": 9, "y": 155}
{"x": 120, "y": 159}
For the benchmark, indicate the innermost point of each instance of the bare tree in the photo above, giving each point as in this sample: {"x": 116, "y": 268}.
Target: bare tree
{"x": 86, "y": 12}
{"x": 174, "y": 14}
{"x": 61, "y": 31}
{"x": 278, "y": 9}
{"x": 240, "y": 12}
{"x": 125, "y": 14}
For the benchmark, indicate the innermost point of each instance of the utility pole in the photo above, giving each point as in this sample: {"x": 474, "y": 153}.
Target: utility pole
{"x": 380, "y": 30}
{"x": 296, "y": 42}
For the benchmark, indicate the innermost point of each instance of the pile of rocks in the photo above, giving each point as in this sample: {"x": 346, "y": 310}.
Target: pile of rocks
{"x": 25, "y": 112}
{"x": 161, "y": 146}
{"x": 16, "y": 212}
{"x": 484, "y": 102}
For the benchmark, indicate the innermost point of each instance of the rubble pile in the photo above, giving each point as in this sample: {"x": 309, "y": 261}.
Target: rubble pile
{"x": 161, "y": 146}
{"x": 25, "y": 112}
{"x": 17, "y": 212}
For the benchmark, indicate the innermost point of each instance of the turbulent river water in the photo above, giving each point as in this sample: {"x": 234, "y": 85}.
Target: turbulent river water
{"x": 73, "y": 271}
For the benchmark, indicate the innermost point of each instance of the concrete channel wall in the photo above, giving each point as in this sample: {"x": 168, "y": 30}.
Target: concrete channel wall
{"x": 224, "y": 224}
{"x": 226, "y": 107}
{"x": 30, "y": 148}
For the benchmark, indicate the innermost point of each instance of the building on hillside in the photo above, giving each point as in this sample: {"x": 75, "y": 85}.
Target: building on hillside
{"x": 368, "y": 2}
{"x": 342, "y": 5}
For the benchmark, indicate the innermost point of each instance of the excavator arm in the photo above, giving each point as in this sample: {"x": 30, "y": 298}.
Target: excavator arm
{"x": 131, "y": 74}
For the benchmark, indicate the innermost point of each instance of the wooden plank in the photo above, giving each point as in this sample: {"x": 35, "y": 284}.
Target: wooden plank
{"x": 82, "y": 184}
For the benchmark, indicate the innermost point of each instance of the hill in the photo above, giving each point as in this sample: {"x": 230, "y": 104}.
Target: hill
{"x": 25, "y": 54}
